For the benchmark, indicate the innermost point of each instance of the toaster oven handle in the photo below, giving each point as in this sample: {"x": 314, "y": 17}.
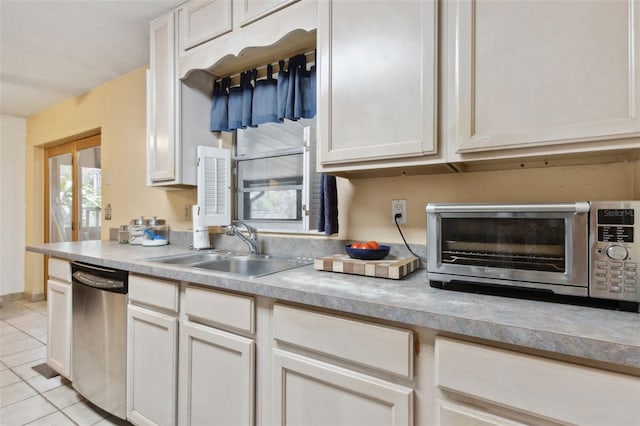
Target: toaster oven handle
{"x": 577, "y": 207}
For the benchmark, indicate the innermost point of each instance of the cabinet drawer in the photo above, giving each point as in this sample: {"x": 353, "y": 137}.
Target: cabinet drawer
{"x": 381, "y": 347}
{"x": 225, "y": 309}
{"x": 539, "y": 386}
{"x": 60, "y": 269}
{"x": 154, "y": 292}
{"x": 450, "y": 414}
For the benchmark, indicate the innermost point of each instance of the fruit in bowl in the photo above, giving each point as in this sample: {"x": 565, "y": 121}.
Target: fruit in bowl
{"x": 369, "y": 245}
{"x": 369, "y": 250}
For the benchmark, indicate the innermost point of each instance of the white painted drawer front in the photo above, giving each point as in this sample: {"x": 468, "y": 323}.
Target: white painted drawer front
{"x": 154, "y": 292}
{"x": 451, "y": 414}
{"x": 381, "y": 347}
{"x": 539, "y": 386}
{"x": 226, "y": 309}
{"x": 60, "y": 269}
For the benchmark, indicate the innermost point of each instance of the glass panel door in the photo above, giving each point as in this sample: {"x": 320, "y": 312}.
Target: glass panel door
{"x": 90, "y": 184}
{"x": 74, "y": 190}
{"x": 60, "y": 198}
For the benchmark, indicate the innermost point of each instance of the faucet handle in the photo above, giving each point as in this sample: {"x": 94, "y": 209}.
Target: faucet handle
{"x": 230, "y": 229}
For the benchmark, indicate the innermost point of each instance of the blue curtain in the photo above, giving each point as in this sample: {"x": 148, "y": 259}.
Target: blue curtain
{"x": 219, "y": 107}
{"x": 291, "y": 96}
{"x": 264, "y": 107}
{"x": 253, "y": 102}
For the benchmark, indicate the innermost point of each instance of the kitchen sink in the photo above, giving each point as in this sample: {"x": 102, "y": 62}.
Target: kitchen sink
{"x": 252, "y": 265}
{"x": 190, "y": 258}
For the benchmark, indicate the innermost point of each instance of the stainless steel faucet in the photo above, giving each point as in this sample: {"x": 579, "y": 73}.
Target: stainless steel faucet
{"x": 251, "y": 241}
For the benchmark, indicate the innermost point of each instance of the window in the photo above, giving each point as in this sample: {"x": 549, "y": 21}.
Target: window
{"x": 276, "y": 186}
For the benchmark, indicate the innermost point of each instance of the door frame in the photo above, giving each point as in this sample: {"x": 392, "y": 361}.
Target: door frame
{"x": 72, "y": 148}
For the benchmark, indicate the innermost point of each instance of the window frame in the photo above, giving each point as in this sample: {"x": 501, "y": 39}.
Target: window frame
{"x": 307, "y": 222}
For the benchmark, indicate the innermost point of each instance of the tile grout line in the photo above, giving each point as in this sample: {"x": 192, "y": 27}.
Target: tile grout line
{"x": 23, "y": 380}
{"x": 29, "y": 306}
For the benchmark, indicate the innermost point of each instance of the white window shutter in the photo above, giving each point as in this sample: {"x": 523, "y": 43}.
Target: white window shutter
{"x": 214, "y": 186}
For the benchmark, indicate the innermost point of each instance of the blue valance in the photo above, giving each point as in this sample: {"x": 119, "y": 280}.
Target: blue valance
{"x": 292, "y": 95}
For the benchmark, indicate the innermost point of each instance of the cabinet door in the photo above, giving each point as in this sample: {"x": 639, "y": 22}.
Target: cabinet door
{"x": 201, "y": 21}
{"x": 152, "y": 341}
{"x": 161, "y": 102}
{"x": 377, "y": 81}
{"x": 249, "y": 11}
{"x": 310, "y": 392}
{"x": 59, "y": 326}
{"x": 532, "y": 73}
{"x": 216, "y": 377}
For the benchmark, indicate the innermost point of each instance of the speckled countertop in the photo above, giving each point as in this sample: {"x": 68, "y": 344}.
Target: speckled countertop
{"x": 591, "y": 333}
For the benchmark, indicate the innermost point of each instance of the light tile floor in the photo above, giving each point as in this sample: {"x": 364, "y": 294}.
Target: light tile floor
{"x": 26, "y": 397}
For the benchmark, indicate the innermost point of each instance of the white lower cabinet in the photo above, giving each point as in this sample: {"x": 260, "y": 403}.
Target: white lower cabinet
{"x": 246, "y": 360}
{"x": 311, "y": 392}
{"x": 152, "y": 365}
{"x": 330, "y": 370}
{"x": 217, "y": 363}
{"x": 216, "y": 377}
{"x": 59, "y": 308}
{"x": 529, "y": 388}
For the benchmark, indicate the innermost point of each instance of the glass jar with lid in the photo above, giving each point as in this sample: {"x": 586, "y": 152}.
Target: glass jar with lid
{"x": 157, "y": 232}
{"x": 136, "y": 230}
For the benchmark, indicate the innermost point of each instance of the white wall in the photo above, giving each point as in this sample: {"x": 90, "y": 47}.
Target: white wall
{"x": 12, "y": 203}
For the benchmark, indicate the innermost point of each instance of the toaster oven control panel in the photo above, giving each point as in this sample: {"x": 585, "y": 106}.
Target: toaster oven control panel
{"x": 614, "y": 250}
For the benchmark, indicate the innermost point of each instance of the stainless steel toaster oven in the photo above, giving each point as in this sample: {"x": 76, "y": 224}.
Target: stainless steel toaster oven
{"x": 587, "y": 249}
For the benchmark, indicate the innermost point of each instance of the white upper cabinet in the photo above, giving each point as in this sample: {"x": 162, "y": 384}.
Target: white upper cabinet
{"x": 200, "y": 21}
{"x": 248, "y": 11}
{"x": 377, "y": 80}
{"x": 161, "y": 101}
{"x": 553, "y": 74}
{"x": 177, "y": 111}
{"x": 261, "y": 30}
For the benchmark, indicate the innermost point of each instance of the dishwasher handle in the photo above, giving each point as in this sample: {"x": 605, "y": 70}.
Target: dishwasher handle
{"x": 112, "y": 280}
{"x": 101, "y": 283}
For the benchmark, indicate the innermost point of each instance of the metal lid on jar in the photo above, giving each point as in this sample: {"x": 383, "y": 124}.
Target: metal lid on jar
{"x": 139, "y": 221}
{"x": 155, "y": 221}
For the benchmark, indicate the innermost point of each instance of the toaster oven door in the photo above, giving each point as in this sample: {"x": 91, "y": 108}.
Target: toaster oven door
{"x": 533, "y": 245}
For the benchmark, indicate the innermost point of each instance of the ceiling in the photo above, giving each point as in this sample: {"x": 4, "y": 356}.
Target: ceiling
{"x": 51, "y": 50}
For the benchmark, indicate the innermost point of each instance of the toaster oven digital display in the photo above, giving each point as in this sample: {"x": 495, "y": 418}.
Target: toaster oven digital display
{"x": 616, "y": 216}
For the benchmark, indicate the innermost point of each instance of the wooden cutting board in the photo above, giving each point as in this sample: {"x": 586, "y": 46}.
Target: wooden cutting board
{"x": 389, "y": 267}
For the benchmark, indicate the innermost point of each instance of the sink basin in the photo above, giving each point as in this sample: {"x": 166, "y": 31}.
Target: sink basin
{"x": 245, "y": 265}
{"x": 252, "y": 265}
{"x": 189, "y": 258}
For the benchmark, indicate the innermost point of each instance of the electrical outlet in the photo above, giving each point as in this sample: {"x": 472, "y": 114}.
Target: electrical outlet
{"x": 399, "y": 207}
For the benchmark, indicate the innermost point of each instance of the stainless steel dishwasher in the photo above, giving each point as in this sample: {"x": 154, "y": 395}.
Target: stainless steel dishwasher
{"x": 98, "y": 350}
